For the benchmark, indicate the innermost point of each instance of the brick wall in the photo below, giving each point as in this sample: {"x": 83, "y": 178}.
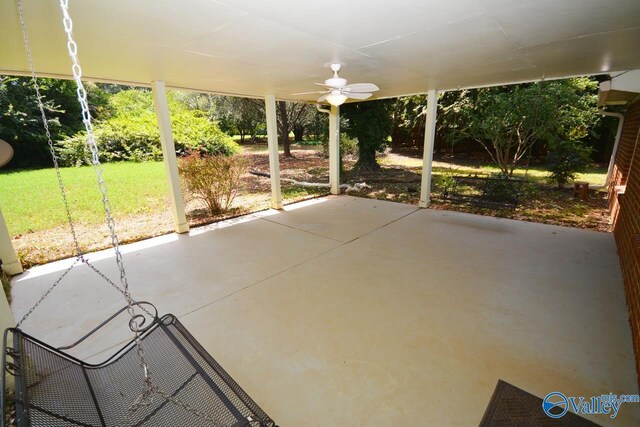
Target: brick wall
{"x": 626, "y": 216}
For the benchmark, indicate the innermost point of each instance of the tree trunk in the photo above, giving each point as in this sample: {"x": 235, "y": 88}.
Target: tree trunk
{"x": 366, "y": 160}
{"x": 284, "y": 128}
{"x": 298, "y": 133}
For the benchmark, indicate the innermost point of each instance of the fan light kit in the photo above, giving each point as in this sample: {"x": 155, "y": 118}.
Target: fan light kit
{"x": 338, "y": 91}
{"x": 336, "y": 98}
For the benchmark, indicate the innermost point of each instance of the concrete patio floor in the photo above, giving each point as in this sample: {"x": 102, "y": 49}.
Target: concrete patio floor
{"x": 350, "y": 312}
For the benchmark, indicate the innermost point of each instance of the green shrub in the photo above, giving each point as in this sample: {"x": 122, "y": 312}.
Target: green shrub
{"x": 212, "y": 179}
{"x": 131, "y": 133}
{"x": 566, "y": 159}
{"x": 348, "y": 147}
{"x": 6, "y": 284}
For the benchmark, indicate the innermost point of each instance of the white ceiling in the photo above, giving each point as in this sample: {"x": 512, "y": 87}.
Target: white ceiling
{"x": 259, "y": 47}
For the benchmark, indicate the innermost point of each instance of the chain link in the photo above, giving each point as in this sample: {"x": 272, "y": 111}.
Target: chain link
{"x": 149, "y": 388}
{"x": 145, "y": 398}
{"x": 46, "y": 294}
{"x": 45, "y": 123}
{"x": 91, "y": 139}
{"x": 78, "y": 251}
{"x": 81, "y": 93}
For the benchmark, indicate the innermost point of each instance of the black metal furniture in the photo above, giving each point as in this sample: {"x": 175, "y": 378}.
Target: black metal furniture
{"x": 491, "y": 192}
{"x": 55, "y": 389}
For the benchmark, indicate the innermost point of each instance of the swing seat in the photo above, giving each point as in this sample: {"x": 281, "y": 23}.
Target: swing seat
{"x": 53, "y": 388}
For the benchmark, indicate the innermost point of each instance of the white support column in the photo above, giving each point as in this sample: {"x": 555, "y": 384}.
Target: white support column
{"x": 169, "y": 155}
{"x": 427, "y": 157}
{"x": 334, "y": 149}
{"x": 274, "y": 155}
{"x": 10, "y": 263}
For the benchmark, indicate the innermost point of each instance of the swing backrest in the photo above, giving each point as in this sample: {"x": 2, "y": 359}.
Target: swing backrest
{"x": 54, "y": 388}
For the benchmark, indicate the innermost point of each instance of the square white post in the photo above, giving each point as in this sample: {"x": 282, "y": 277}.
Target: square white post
{"x": 274, "y": 155}
{"x": 334, "y": 149}
{"x": 427, "y": 157}
{"x": 10, "y": 263}
{"x": 169, "y": 155}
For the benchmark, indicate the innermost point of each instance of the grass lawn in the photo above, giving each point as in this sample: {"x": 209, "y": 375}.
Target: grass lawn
{"x": 34, "y": 213}
{"x": 31, "y": 198}
{"x": 594, "y": 176}
{"x": 138, "y": 192}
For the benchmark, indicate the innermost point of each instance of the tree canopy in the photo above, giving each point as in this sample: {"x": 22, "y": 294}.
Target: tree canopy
{"x": 131, "y": 132}
{"x": 20, "y": 119}
{"x": 508, "y": 120}
{"x": 369, "y": 122}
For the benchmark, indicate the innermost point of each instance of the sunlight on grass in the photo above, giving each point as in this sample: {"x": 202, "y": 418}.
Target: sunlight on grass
{"x": 31, "y": 201}
{"x": 594, "y": 176}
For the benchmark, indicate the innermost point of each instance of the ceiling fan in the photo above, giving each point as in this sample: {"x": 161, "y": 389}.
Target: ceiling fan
{"x": 338, "y": 91}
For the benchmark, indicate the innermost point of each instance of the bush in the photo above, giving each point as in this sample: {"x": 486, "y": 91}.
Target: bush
{"x": 213, "y": 179}
{"x": 348, "y": 147}
{"x": 131, "y": 133}
{"x": 566, "y": 159}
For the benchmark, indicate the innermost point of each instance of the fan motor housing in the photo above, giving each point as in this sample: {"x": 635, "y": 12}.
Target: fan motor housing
{"x": 336, "y": 82}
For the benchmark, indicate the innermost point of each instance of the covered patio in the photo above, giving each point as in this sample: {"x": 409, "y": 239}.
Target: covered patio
{"x": 345, "y": 311}
{"x": 348, "y": 311}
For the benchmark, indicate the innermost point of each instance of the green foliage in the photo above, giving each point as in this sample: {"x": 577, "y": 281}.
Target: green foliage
{"x": 348, "y": 147}
{"x": 566, "y": 159}
{"x": 134, "y": 189}
{"x": 407, "y": 115}
{"x": 131, "y": 133}
{"x": 239, "y": 116}
{"x": 509, "y": 120}
{"x": 214, "y": 180}
{"x": 20, "y": 119}
{"x": 370, "y": 123}
{"x": 6, "y": 285}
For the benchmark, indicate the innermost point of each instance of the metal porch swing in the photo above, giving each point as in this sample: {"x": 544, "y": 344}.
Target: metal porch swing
{"x": 54, "y": 389}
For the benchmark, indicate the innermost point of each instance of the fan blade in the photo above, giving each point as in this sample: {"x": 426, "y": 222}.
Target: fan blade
{"x": 361, "y": 87}
{"x": 323, "y": 97}
{"x": 309, "y": 93}
{"x": 357, "y": 95}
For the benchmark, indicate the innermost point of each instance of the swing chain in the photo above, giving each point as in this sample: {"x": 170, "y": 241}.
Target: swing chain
{"x": 54, "y": 156}
{"x": 81, "y": 92}
{"x": 145, "y": 397}
{"x": 45, "y": 295}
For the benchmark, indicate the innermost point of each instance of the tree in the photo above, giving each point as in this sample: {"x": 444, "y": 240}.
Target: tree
{"x": 239, "y": 115}
{"x": 369, "y": 122}
{"x": 291, "y": 116}
{"x": 509, "y": 120}
{"x": 20, "y": 119}
{"x": 566, "y": 159}
{"x": 131, "y": 133}
{"x": 407, "y": 114}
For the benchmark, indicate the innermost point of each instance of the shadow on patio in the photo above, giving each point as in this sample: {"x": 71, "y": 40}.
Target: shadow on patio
{"x": 348, "y": 311}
